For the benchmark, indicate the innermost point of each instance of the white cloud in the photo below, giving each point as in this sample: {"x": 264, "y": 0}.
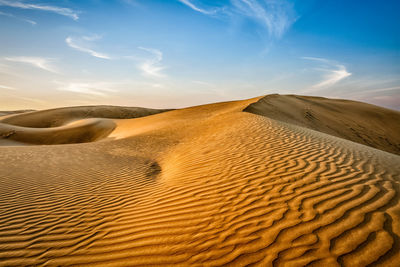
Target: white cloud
{"x": 30, "y": 21}
{"x": 323, "y": 60}
{"x": 6, "y": 87}
{"x": 91, "y": 88}
{"x": 152, "y": 66}
{"x": 333, "y": 76}
{"x": 276, "y": 16}
{"x": 39, "y": 62}
{"x": 194, "y": 7}
{"x": 80, "y": 45}
{"x": 58, "y": 10}
{"x": 22, "y": 19}
{"x": 334, "y": 72}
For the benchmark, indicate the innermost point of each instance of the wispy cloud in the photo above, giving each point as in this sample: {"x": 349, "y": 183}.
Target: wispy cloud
{"x": 323, "y": 60}
{"x": 6, "y": 87}
{"x": 334, "y": 72}
{"x": 90, "y": 88}
{"x": 190, "y": 4}
{"x": 333, "y": 76}
{"x": 13, "y": 16}
{"x": 395, "y": 88}
{"x": 91, "y": 38}
{"x": 13, "y": 95}
{"x": 80, "y": 44}
{"x": 276, "y": 16}
{"x": 55, "y": 9}
{"x": 39, "y": 62}
{"x": 152, "y": 66}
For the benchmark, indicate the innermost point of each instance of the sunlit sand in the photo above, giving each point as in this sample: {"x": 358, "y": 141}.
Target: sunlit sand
{"x": 270, "y": 181}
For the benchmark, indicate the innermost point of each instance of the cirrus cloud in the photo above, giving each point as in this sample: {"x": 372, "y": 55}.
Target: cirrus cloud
{"x": 81, "y": 44}
{"x": 16, "y": 17}
{"x": 333, "y": 72}
{"x": 276, "y": 16}
{"x": 39, "y": 62}
{"x": 90, "y": 88}
{"x": 152, "y": 66}
{"x": 190, "y": 4}
{"x": 55, "y": 9}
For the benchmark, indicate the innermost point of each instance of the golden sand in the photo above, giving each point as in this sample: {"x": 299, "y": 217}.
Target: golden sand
{"x": 203, "y": 186}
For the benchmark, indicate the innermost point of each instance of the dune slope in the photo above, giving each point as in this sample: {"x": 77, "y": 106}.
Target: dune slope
{"x": 203, "y": 186}
{"x": 356, "y": 121}
{"x": 65, "y": 125}
{"x": 60, "y": 116}
{"x": 10, "y": 112}
{"x": 80, "y": 131}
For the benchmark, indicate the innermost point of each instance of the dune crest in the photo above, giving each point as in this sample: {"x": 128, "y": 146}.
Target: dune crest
{"x": 65, "y": 125}
{"x": 60, "y": 116}
{"x": 203, "y": 186}
{"x": 80, "y": 131}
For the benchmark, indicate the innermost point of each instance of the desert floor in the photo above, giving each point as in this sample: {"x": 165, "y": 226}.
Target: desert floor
{"x": 269, "y": 181}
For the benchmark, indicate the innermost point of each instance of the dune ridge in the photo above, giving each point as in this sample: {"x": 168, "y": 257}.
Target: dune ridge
{"x": 65, "y": 125}
{"x": 60, "y": 116}
{"x": 203, "y": 186}
{"x": 11, "y": 112}
{"x": 80, "y": 131}
{"x": 359, "y": 122}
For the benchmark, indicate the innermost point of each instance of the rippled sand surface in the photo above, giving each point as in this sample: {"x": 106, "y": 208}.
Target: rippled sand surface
{"x": 203, "y": 186}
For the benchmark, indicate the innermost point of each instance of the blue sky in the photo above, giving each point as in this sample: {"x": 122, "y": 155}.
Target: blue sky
{"x": 177, "y": 53}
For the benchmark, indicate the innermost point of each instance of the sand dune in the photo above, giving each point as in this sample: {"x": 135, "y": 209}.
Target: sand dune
{"x": 80, "y": 131}
{"x": 11, "y": 112}
{"x": 204, "y": 186}
{"x": 60, "y": 116}
{"x": 65, "y": 125}
{"x": 356, "y": 121}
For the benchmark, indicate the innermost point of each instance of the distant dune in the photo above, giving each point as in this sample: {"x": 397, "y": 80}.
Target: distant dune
{"x": 10, "y": 112}
{"x": 65, "y": 125}
{"x": 60, "y": 116}
{"x": 269, "y": 181}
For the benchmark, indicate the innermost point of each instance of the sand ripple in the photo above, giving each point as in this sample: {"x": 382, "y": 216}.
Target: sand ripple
{"x": 225, "y": 188}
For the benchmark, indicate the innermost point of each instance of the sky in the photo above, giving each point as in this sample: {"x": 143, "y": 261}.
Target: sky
{"x": 179, "y": 53}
